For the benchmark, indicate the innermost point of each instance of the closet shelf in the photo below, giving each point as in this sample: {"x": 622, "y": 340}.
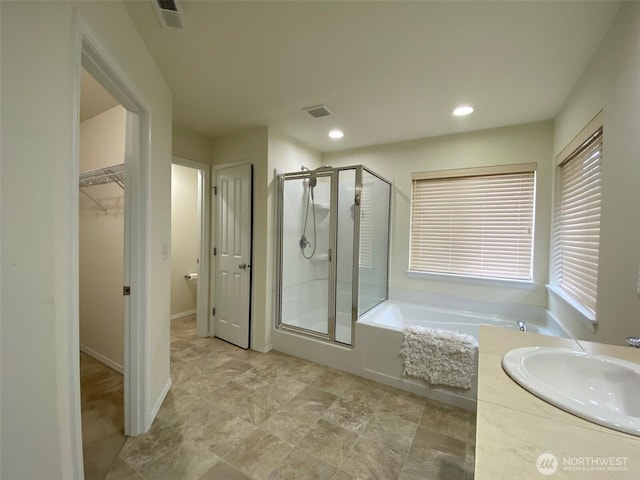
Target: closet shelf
{"x": 102, "y": 176}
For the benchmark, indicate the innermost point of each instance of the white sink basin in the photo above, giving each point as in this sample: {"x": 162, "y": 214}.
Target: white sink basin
{"x": 598, "y": 388}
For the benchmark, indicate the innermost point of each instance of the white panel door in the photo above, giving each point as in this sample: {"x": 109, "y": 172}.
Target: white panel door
{"x": 233, "y": 254}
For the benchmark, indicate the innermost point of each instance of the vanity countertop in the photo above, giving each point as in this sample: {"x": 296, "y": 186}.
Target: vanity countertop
{"x": 514, "y": 428}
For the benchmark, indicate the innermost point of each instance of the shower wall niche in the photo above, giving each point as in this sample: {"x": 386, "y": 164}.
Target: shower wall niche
{"x": 333, "y": 237}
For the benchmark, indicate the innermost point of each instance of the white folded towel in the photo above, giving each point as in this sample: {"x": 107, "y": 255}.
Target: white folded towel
{"x": 441, "y": 357}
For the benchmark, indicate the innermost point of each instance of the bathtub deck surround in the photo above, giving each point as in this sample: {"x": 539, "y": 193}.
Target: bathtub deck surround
{"x": 237, "y": 414}
{"x": 380, "y": 333}
{"x": 514, "y": 427}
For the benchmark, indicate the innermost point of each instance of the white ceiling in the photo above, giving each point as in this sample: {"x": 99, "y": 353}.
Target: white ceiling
{"x": 390, "y": 71}
{"x": 94, "y": 99}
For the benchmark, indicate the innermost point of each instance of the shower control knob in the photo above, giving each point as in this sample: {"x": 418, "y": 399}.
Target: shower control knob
{"x": 633, "y": 341}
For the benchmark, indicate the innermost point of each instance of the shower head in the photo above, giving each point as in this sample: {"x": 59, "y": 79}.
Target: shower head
{"x": 312, "y": 181}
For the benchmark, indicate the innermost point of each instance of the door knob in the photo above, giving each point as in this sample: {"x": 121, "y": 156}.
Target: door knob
{"x": 242, "y": 266}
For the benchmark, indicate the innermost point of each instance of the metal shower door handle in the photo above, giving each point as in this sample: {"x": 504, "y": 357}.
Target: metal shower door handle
{"x": 243, "y": 266}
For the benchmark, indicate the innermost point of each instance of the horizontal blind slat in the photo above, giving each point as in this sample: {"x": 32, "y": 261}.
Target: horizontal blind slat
{"x": 480, "y": 226}
{"x": 576, "y": 223}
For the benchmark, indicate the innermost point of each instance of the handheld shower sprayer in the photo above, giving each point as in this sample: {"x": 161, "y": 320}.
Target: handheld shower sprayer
{"x": 310, "y": 183}
{"x": 313, "y": 181}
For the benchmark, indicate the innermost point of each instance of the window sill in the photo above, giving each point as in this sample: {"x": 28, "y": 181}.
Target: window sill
{"x": 496, "y": 282}
{"x": 585, "y": 315}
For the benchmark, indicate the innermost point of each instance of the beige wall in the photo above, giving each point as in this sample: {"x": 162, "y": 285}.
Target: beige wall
{"x": 396, "y": 161}
{"x": 102, "y": 144}
{"x": 39, "y": 188}
{"x": 190, "y": 145}
{"x": 185, "y": 238}
{"x": 611, "y": 83}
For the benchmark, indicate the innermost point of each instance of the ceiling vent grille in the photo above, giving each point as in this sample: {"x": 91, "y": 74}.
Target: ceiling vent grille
{"x": 318, "y": 111}
{"x": 169, "y": 13}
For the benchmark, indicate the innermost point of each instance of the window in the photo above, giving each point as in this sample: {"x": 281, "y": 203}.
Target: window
{"x": 366, "y": 224}
{"x": 474, "y": 222}
{"x": 575, "y": 242}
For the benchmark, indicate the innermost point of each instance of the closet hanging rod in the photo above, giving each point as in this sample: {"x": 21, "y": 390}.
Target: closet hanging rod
{"x": 102, "y": 176}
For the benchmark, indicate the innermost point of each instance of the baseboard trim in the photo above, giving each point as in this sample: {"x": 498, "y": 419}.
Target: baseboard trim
{"x": 182, "y": 314}
{"x": 102, "y": 359}
{"x": 265, "y": 349}
{"x": 163, "y": 395}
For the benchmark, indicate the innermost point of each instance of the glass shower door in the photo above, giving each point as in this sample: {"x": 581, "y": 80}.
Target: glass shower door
{"x": 306, "y": 244}
{"x": 373, "y": 259}
{"x": 344, "y": 255}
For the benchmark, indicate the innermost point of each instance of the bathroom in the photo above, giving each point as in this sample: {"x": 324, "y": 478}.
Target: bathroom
{"x": 375, "y": 351}
{"x": 564, "y": 94}
{"x": 537, "y": 143}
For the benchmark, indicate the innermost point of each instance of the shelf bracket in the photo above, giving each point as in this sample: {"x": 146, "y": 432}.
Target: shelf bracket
{"x": 94, "y": 201}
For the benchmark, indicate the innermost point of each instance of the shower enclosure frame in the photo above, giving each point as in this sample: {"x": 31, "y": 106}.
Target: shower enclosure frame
{"x": 333, "y": 173}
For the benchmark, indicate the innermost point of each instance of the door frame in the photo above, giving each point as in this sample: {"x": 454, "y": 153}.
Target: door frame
{"x": 204, "y": 232}
{"x": 214, "y": 258}
{"x": 93, "y": 57}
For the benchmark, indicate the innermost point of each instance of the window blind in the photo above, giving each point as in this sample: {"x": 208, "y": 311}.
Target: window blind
{"x": 576, "y": 223}
{"x": 366, "y": 224}
{"x": 474, "y": 225}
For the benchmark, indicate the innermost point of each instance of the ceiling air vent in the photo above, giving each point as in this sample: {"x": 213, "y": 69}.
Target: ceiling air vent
{"x": 169, "y": 13}
{"x": 318, "y": 111}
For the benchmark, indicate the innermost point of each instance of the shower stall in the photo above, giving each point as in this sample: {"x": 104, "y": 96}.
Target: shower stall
{"x": 333, "y": 239}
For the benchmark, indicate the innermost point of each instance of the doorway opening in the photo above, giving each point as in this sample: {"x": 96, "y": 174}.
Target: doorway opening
{"x": 190, "y": 199}
{"x": 133, "y": 210}
{"x": 101, "y": 275}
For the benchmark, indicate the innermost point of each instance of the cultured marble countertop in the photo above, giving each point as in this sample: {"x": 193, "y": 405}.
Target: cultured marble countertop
{"x": 514, "y": 427}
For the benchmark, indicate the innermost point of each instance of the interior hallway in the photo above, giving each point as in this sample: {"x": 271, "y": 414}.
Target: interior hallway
{"x": 237, "y": 414}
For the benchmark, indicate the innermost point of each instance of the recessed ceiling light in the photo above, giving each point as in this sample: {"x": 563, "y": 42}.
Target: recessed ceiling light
{"x": 463, "y": 110}
{"x": 336, "y": 134}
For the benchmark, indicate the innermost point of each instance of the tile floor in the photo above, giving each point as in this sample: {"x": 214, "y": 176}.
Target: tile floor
{"x": 240, "y": 415}
{"x": 102, "y": 399}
